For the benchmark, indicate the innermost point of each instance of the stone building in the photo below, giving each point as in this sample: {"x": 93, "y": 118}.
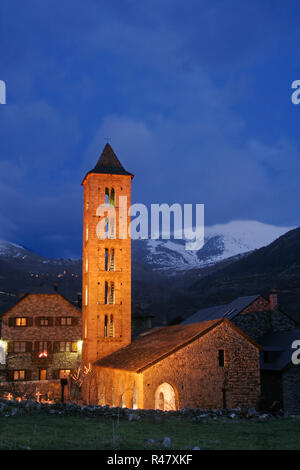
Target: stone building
{"x": 40, "y": 343}
{"x": 207, "y": 365}
{"x": 275, "y": 330}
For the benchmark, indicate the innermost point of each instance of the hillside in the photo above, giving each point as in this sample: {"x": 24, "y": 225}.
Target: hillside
{"x": 276, "y": 265}
{"x": 170, "y": 294}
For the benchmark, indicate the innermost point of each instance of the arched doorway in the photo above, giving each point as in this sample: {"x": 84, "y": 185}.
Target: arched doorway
{"x": 165, "y": 397}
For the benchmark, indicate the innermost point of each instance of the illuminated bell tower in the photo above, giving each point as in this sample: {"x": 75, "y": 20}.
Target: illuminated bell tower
{"x": 106, "y": 274}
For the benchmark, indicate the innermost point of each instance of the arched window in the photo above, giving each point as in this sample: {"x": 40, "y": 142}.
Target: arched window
{"x": 105, "y": 326}
{"x": 112, "y": 293}
{"x": 111, "y": 327}
{"x": 106, "y": 227}
{"x": 106, "y": 293}
{"x": 106, "y": 196}
{"x": 106, "y": 259}
{"x": 112, "y": 260}
{"x": 112, "y": 231}
{"x": 112, "y": 197}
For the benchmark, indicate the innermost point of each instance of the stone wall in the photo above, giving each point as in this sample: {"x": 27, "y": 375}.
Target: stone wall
{"x": 259, "y": 323}
{"x": 195, "y": 374}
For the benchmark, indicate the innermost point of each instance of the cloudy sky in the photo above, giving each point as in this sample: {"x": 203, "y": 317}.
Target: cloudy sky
{"x": 195, "y": 96}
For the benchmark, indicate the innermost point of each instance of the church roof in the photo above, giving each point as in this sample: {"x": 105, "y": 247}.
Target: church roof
{"x": 158, "y": 343}
{"x": 109, "y": 163}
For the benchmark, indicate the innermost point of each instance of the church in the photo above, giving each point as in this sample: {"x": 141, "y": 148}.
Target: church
{"x": 209, "y": 364}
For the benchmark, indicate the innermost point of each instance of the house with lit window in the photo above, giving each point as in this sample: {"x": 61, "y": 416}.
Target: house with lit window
{"x": 40, "y": 343}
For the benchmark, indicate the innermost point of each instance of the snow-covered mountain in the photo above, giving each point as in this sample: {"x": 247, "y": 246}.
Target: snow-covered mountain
{"x": 222, "y": 241}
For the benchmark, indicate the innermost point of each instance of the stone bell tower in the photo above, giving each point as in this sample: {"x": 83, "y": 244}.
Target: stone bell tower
{"x": 106, "y": 273}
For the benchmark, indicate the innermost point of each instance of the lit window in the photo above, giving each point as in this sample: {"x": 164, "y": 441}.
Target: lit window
{"x": 19, "y": 346}
{"x": 68, "y": 346}
{"x": 21, "y": 321}
{"x": 44, "y": 322}
{"x": 19, "y": 374}
{"x": 87, "y": 232}
{"x": 43, "y": 374}
{"x": 64, "y": 373}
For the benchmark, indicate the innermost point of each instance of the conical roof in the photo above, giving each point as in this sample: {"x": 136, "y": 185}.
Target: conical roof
{"x": 109, "y": 163}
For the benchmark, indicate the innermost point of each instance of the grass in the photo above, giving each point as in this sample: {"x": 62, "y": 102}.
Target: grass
{"x": 68, "y": 433}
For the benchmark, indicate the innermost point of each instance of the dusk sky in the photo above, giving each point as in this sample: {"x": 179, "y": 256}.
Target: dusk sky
{"x": 194, "y": 95}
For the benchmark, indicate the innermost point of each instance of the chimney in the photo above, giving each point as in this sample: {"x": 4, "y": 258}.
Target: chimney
{"x": 273, "y": 299}
{"x": 55, "y": 286}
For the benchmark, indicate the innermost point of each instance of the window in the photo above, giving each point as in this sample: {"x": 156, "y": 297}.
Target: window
{"x": 106, "y": 196}
{"x": 68, "y": 346}
{"x": 221, "y": 357}
{"x": 64, "y": 373}
{"x": 109, "y": 295}
{"x": 112, "y": 293}
{"x": 21, "y": 321}
{"x": 112, "y": 260}
{"x": 43, "y": 374}
{"x": 111, "y": 327}
{"x": 86, "y": 265}
{"x": 109, "y": 259}
{"x": 106, "y": 227}
{"x": 112, "y": 197}
{"x": 19, "y": 374}
{"x": 19, "y": 346}
{"x": 66, "y": 321}
{"x": 87, "y": 232}
{"x": 106, "y": 293}
{"x": 44, "y": 322}
{"x": 105, "y": 326}
{"x": 106, "y": 259}
{"x": 112, "y": 233}
{"x": 43, "y": 346}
